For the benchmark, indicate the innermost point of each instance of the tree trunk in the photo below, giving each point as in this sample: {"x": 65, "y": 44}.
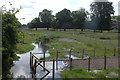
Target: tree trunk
{"x": 94, "y": 30}
{"x": 81, "y": 29}
{"x": 64, "y": 29}
{"x": 108, "y": 30}
{"x": 101, "y": 30}
{"x": 47, "y": 28}
{"x": 36, "y": 29}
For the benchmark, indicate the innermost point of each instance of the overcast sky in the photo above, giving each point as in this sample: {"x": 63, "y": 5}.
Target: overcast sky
{"x": 31, "y": 8}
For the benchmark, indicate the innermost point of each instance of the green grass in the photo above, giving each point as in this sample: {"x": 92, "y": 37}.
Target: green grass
{"x": 77, "y": 72}
{"x": 88, "y": 40}
{"x": 23, "y": 48}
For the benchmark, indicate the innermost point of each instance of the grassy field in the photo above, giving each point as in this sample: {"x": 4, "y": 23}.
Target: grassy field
{"x": 83, "y": 73}
{"x": 87, "y": 39}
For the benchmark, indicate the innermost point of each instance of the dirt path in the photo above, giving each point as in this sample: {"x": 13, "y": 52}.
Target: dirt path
{"x": 97, "y": 62}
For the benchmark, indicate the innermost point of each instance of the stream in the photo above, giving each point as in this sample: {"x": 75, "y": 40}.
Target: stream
{"x": 21, "y": 69}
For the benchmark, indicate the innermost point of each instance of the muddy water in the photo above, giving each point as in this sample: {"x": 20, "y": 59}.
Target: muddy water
{"x": 21, "y": 69}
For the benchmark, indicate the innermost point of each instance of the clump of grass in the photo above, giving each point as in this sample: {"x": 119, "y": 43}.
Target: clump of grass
{"x": 105, "y": 38}
{"x": 22, "y": 48}
{"x": 100, "y": 75}
{"x": 77, "y": 72}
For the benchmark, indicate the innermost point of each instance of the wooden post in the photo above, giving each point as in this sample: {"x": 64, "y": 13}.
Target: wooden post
{"x": 114, "y": 51}
{"x": 30, "y": 59}
{"x": 57, "y": 60}
{"x": 53, "y": 69}
{"x": 83, "y": 54}
{"x": 89, "y": 64}
{"x": 104, "y": 62}
{"x": 105, "y": 52}
{"x": 32, "y": 63}
{"x": 35, "y": 68}
{"x": 44, "y": 60}
{"x": 70, "y": 54}
{"x": 94, "y": 52}
{"x": 70, "y": 63}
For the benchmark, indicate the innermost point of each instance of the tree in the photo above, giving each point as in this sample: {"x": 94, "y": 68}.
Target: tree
{"x": 46, "y": 18}
{"x": 64, "y": 19}
{"x": 35, "y": 23}
{"x": 79, "y": 18}
{"x": 102, "y": 11}
{"x": 10, "y": 36}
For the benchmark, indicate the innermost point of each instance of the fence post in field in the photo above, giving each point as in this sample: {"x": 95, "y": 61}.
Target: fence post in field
{"x": 105, "y": 52}
{"x": 114, "y": 51}
{"x": 53, "y": 69}
{"x": 70, "y": 54}
{"x": 57, "y": 60}
{"x": 83, "y": 54}
{"x": 94, "y": 52}
{"x": 32, "y": 63}
{"x": 70, "y": 63}
{"x": 104, "y": 62}
{"x": 44, "y": 60}
{"x": 35, "y": 68}
{"x": 89, "y": 63}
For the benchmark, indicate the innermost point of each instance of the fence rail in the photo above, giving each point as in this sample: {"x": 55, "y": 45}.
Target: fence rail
{"x": 38, "y": 61}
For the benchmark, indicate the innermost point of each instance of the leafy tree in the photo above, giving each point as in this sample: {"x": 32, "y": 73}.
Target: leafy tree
{"x": 46, "y": 18}
{"x": 79, "y": 18}
{"x": 64, "y": 19}
{"x": 102, "y": 11}
{"x": 54, "y": 23}
{"x": 34, "y": 23}
{"x": 10, "y": 37}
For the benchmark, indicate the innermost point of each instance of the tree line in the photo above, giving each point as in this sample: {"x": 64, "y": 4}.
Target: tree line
{"x": 65, "y": 19}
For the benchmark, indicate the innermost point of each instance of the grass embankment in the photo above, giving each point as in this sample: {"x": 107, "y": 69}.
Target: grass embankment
{"x": 26, "y": 42}
{"x": 83, "y": 73}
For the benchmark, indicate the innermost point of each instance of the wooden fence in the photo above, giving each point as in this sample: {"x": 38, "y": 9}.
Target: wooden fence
{"x": 38, "y": 61}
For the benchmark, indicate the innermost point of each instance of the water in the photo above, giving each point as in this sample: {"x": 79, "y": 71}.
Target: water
{"x": 73, "y": 57}
{"x": 21, "y": 69}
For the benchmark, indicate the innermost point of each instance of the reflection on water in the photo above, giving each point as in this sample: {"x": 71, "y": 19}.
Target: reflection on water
{"x": 73, "y": 57}
{"x": 22, "y": 67}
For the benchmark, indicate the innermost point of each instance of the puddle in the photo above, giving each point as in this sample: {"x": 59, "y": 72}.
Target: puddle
{"x": 72, "y": 56}
{"x": 95, "y": 71}
{"x": 21, "y": 69}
